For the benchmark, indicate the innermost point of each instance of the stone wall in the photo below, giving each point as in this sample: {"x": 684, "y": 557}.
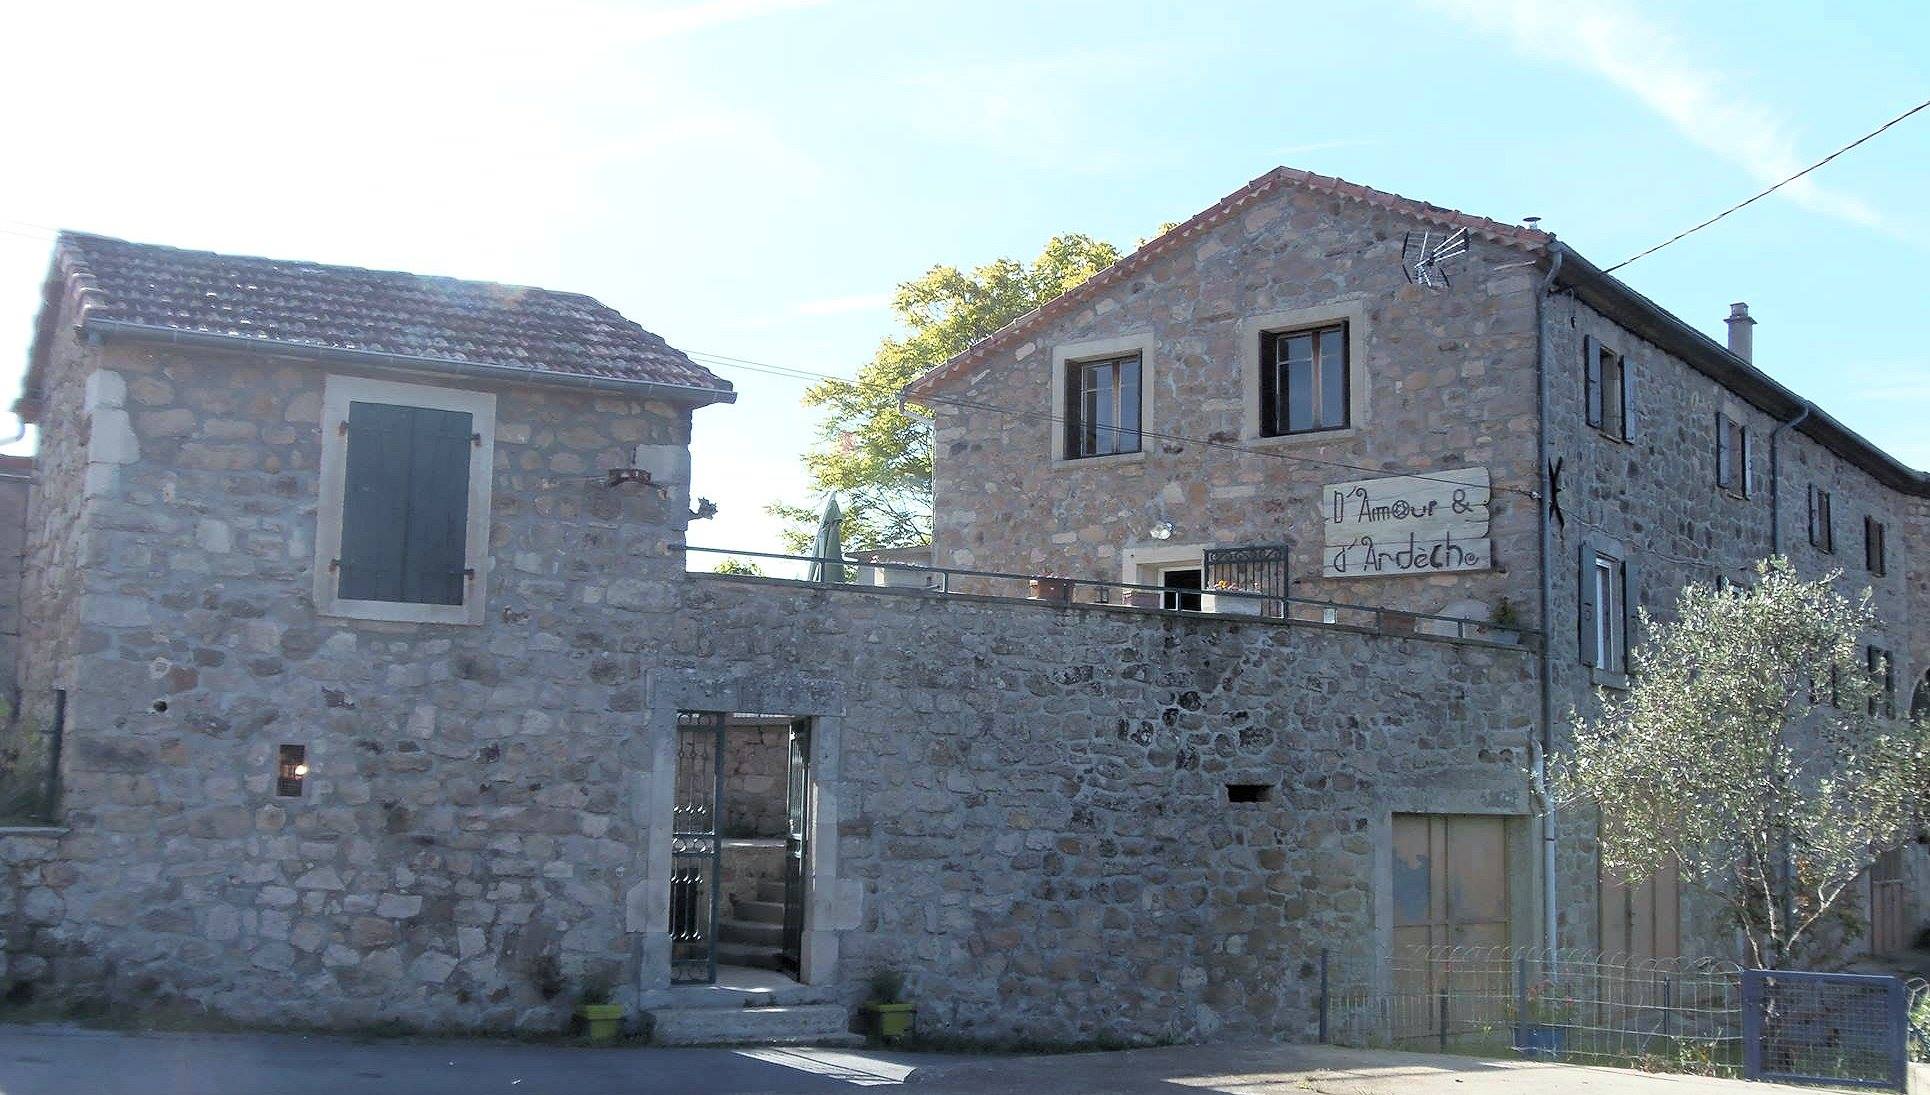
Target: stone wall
{"x": 1031, "y": 799}
{"x": 1024, "y": 806}
{"x": 1657, "y": 497}
{"x": 1443, "y": 388}
{"x": 16, "y": 476}
{"x": 460, "y": 850}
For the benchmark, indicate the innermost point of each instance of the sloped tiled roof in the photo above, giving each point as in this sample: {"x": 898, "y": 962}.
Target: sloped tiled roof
{"x": 141, "y": 288}
{"x": 1279, "y": 178}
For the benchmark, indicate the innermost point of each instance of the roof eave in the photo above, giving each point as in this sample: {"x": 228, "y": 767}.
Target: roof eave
{"x": 1615, "y": 299}
{"x": 685, "y": 395}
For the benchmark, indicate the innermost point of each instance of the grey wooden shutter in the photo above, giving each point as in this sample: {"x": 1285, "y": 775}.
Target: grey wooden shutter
{"x": 1723, "y": 455}
{"x": 1748, "y": 458}
{"x": 1631, "y": 607}
{"x": 1813, "y": 539}
{"x": 1592, "y": 365}
{"x": 1587, "y": 608}
{"x": 1628, "y": 398}
{"x": 438, "y": 521}
{"x": 375, "y": 503}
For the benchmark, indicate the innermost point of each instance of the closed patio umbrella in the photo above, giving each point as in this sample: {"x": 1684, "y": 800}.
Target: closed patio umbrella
{"x": 827, "y": 551}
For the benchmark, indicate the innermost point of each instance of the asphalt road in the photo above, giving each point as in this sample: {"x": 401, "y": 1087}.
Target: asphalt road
{"x": 59, "y": 1060}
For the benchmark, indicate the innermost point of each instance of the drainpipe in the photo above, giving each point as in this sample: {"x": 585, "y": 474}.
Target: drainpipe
{"x": 1545, "y": 554}
{"x": 1776, "y": 480}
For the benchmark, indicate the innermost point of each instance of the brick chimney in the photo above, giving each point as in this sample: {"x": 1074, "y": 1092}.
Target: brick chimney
{"x": 1742, "y": 336}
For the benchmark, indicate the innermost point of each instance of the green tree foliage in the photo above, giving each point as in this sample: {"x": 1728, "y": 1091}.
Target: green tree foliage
{"x": 876, "y": 454}
{"x": 738, "y": 566}
{"x": 1755, "y": 747}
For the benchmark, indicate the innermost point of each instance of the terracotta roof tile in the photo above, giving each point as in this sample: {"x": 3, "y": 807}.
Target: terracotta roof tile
{"x": 1277, "y": 179}
{"x": 309, "y": 304}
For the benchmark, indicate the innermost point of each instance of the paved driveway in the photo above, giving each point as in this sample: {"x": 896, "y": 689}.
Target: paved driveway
{"x": 53, "y": 1060}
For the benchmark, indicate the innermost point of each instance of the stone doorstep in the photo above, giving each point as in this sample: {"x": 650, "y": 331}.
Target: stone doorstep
{"x": 796, "y": 1024}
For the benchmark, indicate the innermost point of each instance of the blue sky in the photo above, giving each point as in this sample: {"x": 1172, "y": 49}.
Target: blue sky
{"x": 751, "y": 177}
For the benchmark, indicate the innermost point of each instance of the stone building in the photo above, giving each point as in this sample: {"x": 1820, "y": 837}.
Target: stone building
{"x": 1238, "y": 387}
{"x": 359, "y": 602}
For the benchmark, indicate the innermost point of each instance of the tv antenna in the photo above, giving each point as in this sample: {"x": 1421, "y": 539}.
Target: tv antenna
{"x": 1425, "y": 260}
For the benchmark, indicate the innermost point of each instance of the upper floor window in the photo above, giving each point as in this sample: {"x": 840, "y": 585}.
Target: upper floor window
{"x": 1822, "y": 526}
{"x": 403, "y": 525}
{"x": 1607, "y": 611}
{"x": 1102, "y": 406}
{"x": 1733, "y": 455}
{"x": 1303, "y": 381}
{"x": 1883, "y": 673}
{"x": 1874, "y": 549}
{"x": 1610, "y": 383}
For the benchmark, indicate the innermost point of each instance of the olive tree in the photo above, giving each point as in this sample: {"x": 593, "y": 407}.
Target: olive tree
{"x": 1758, "y": 746}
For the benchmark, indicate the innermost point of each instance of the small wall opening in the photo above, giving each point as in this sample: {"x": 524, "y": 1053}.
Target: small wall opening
{"x": 1249, "y": 792}
{"x": 291, "y": 769}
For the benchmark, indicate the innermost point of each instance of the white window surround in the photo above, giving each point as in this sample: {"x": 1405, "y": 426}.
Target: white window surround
{"x": 1070, "y": 352}
{"x": 340, "y": 391}
{"x": 1360, "y": 343}
{"x": 1147, "y": 565}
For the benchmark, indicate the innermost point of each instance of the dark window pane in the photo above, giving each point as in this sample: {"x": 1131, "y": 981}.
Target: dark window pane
{"x": 1129, "y": 405}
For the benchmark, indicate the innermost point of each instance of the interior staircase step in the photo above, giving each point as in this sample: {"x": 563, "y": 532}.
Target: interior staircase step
{"x": 757, "y": 957}
{"x": 798, "y": 1024}
{"x": 768, "y": 912}
{"x": 755, "y": 933}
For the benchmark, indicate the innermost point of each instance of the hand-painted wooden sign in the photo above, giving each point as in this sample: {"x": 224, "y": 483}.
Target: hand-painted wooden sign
{"x": 1407, "y": 524}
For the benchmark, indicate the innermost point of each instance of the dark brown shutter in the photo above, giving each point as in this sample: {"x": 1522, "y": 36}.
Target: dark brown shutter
{"x": 438, "y": 507}
{"x": 1270, "y": 425}
{"x": 375, "y": 504}
{"x": 1722, "y": 451}
{"x": 1631, "y": 607}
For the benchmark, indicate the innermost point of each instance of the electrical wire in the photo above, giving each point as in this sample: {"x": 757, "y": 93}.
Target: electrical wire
{"x": 1771, "y": 190}
{"x": 793, "y": 372}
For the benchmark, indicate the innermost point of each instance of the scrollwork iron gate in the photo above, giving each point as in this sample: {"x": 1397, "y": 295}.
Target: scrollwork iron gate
{"x": 1255, "y": 568}
{"x": 696, "y": 847}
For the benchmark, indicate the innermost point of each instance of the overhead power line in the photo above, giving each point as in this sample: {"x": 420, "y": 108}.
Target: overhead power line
{"x": 1765, "y": 193}
{"x": 794, "y": 372}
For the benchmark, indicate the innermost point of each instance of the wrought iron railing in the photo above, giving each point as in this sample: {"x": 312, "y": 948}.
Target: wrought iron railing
{"x": 1259, "y": 607}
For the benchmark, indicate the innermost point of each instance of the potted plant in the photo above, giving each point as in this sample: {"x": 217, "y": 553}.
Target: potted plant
{"x": 1052, "y": 588}
{"x": 1541, "y": 1021}
{"x": 602, "y": 1019}
{"x": 1504, "y": 624}
{"x": 888, "y": 1016}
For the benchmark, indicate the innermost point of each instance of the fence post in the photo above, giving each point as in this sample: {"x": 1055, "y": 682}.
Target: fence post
{"x": 1323, "y": 996}
{"x": 1668, "y": 1007}
{"x": 1752, "y": 1024}
{"x": 1899, "y": 1008}
{"x": 1444, "y": 1020}
{"x": 1521, "y": 1002}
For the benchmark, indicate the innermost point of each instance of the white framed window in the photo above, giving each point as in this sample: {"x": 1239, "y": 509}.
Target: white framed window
{"x": 1102, "y": 400}
{"x": 1609, "y": 379}
{"x": 1733, "y": 456}
{"x": 1303, "y": 375}
{"x": 1607, "y": 614}
{"x": 402, "y": 526}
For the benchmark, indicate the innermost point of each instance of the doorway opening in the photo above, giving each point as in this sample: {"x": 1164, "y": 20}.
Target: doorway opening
{"x": 740, "y": 852}
{"x": 1183, "y": 585}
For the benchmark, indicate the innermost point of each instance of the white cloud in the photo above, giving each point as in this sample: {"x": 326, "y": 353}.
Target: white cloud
{"x": 1641, "y": 57}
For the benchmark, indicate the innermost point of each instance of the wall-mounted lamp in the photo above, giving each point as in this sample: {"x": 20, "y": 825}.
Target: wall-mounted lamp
{"x": 1161, "y": 531}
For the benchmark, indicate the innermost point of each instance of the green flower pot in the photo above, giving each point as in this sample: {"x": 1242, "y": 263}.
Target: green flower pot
{"x": 891, "y": 1022}
{"x": 604, "y": 1021}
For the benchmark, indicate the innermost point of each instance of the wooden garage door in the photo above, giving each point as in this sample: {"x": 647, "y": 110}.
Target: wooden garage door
{"x": 1450, "y": 889}
{"x": 1450, "y": 880}
{"x": 1643, "y": 921}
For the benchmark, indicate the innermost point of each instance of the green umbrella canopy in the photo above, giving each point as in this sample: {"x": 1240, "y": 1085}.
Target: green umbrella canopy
{"x": 827, "y": 550}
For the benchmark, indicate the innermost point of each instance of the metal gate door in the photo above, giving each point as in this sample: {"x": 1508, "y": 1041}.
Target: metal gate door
{"x": 1886, "y": 903}
{"x": 696, "y": 867}
{"x": 1842, "y": 1029}
{"x": 797, "y": 839}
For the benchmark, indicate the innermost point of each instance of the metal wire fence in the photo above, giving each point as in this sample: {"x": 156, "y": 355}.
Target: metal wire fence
{"x": 1919, "y": 993}
{"x": 1699, "y": 1015}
